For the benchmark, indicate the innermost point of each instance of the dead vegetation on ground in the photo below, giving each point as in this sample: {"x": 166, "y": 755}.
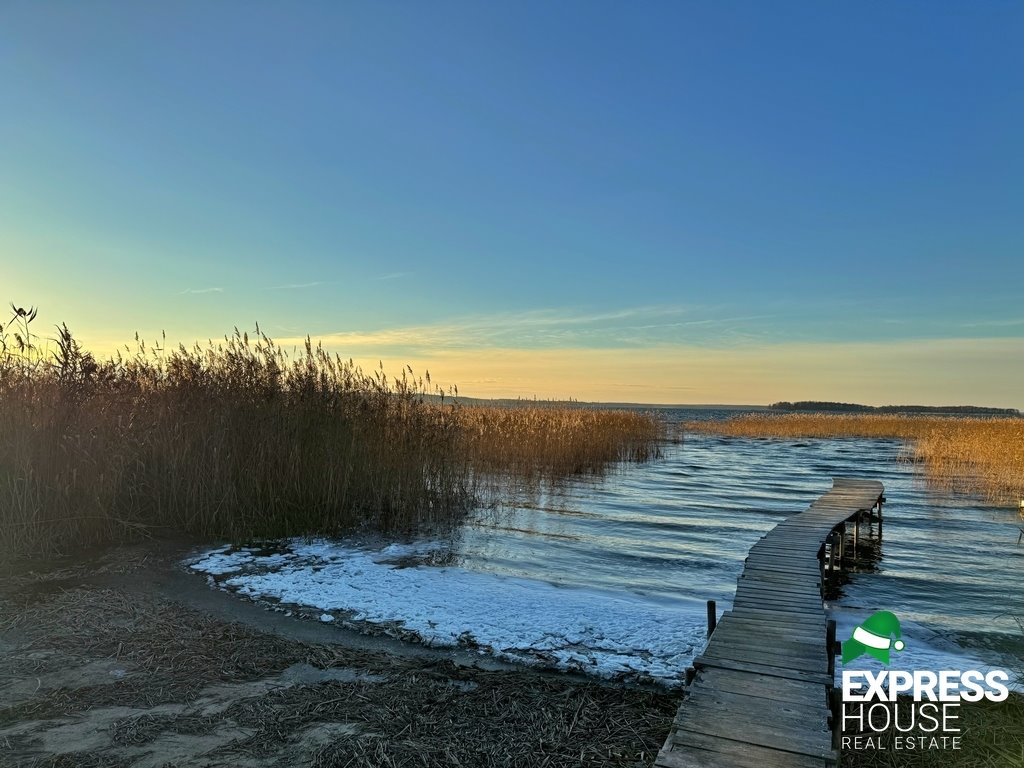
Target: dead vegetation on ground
{"x": 100, "y": 677}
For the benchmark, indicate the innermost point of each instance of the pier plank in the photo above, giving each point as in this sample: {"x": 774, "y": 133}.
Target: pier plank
{"x": 692, "y": 750}
{"x": 760, "y": 686}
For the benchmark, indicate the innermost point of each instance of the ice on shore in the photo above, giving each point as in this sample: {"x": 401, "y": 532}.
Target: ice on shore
{"x": 613, "y": 635}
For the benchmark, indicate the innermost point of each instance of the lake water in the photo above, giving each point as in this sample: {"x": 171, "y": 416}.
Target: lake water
{"x": 601, "y": 570}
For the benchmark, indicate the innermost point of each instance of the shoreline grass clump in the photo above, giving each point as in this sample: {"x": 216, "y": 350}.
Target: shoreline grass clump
{"x": 976, "y": 455}
{"x": 238, "y": 440}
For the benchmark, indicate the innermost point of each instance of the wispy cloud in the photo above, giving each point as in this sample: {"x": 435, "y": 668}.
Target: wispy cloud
{"x": 201, "y": 290}
{"x": 554, "y": 328}
{"x": 1009, "y": 322}
{"x": 295, "y": 286}
{"x": 394, "y": 275}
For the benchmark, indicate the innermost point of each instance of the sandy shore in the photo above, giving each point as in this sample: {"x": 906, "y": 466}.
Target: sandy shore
{"x": 125, "y": 660}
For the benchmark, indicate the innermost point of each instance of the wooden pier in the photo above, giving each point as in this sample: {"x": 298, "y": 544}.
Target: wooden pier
{"x": 759, "y": 695}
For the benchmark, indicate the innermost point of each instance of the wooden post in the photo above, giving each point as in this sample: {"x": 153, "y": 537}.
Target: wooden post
{"x": 712, "y": 617}
{"x": 828, "y": 561}
{"x": 832, "y": 558}
{"x": 835, "y": 700}
{"x": 691, "y": 673}
{"x": 830, "y": 646}
{"x": 856, "y": 534}
{"x": 1021, "y": 508}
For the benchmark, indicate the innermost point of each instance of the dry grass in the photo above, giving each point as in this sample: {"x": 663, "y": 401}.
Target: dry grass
{"x": 239, "y": 440}
{"x": 980, "y": 455}
{"x": 797, "y": 425}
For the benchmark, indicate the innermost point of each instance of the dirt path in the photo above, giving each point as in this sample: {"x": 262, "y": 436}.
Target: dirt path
{"x": 125, "y": 660}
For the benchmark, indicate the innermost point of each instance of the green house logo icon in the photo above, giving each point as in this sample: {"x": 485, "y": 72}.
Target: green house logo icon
{"x": 874, "y": 637}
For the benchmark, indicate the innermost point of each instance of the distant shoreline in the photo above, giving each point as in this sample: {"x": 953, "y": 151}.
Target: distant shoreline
{"x": 817, "y": 406}
{"x": 516, "y": 401}
{"x": 801, "y": 406}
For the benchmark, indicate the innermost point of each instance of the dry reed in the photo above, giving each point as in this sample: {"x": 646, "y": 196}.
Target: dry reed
{"x": 534, "y": 440}
{"x": 239, "y": 440}
{"x": 979, "y": 455}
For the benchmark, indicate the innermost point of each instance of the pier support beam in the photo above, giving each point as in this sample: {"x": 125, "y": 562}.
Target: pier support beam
{"x": 856, "y": 534}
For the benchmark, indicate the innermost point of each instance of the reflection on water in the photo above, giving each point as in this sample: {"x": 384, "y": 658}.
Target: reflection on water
{"x": 677, "y": 530}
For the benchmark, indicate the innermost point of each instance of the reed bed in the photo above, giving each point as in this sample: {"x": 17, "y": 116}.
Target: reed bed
{"x": 549, "y": 442}
{"x": 977, "y": 455}
{"x": 230, "y": 441}
{"x": 984, "y": 455}
{"x": 238, "y": 440}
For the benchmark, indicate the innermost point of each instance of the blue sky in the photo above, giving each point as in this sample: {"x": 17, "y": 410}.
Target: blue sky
{"x": 658, "y": 202}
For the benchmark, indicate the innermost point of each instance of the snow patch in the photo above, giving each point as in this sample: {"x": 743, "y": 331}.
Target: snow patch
{"x": 616, "y": 635}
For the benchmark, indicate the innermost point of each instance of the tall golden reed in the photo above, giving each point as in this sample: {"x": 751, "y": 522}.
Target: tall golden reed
{"x": 239, "y": 440}
{"x": 547, "y": 442}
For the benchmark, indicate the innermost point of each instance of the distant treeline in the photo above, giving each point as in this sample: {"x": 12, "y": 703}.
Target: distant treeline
{"x": 818, "y": 405}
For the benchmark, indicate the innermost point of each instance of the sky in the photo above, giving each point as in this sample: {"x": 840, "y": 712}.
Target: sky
{"x": 656, "y": 202}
